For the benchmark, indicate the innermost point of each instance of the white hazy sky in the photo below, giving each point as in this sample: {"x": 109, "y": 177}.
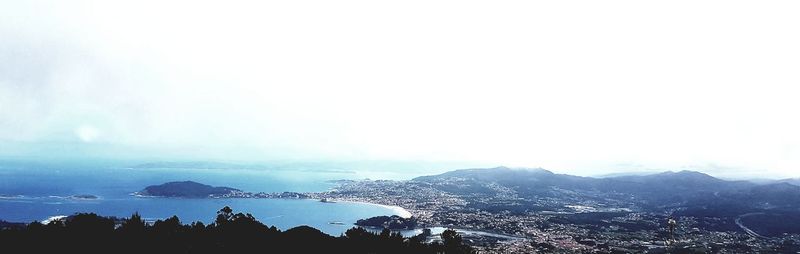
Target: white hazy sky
{"x": 580, "y": 87}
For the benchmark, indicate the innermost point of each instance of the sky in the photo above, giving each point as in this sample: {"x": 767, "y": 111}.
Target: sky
{"x": 580, "y": 87}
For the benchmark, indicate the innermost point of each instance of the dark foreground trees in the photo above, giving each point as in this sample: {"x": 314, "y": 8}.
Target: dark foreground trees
{"x": 230, "y": 233}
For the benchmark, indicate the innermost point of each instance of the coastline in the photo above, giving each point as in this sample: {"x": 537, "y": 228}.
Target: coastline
{"x": 399, "y": 211}
{"x": 53, "y": 218}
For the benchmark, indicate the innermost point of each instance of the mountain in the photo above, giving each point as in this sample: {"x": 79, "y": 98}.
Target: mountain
{"x": 793, "y": 181}
{"x": 654, "y": 191}
{"x": 541, "y": 181}
{"x": 539, "y": 178}
{"x": 676, "y": 186}
{"x": 531, "y": 181}
{"x": 618, "y": 174}
{"x": 776, "y": 194}
{"x": 497, "y": 173}
{"x": 185, "y": 189}
{"x": 685, "y": 175}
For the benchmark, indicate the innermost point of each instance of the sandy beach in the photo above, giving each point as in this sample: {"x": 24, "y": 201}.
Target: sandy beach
{"x": 399, "y": 211}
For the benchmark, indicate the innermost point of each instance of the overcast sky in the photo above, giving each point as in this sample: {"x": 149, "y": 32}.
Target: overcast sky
{"x": 580, "y": 87}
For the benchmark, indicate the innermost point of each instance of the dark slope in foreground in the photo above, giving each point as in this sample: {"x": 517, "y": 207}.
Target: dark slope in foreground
{"x": 230, "y": 233}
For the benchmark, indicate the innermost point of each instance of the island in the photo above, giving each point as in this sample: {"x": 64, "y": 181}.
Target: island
{"x": 84, "y": 197}
{"x": 190, "y": 189}
{"x": 187, "y": 189}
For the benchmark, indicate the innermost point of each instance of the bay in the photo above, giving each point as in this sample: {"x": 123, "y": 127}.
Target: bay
{"x": 39, "y": 192}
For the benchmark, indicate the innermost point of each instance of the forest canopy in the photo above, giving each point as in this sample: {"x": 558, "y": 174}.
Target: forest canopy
{"x": 229, "y": 233}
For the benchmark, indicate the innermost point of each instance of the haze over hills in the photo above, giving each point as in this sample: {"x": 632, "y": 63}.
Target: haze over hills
{"x": 661, "y": 189}
{"x": 794, "y": 181}
{"x": 683, "y": 193}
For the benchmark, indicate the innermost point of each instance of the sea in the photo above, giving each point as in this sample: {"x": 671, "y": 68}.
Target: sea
{"x": 41, "y": 191}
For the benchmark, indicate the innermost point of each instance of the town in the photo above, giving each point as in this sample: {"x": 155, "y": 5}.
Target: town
{"x": 563, "y": 225}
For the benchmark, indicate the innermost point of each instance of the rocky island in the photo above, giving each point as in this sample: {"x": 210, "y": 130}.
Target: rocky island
{"x": 190, "y": 189}
{"x": 187, "y": 189}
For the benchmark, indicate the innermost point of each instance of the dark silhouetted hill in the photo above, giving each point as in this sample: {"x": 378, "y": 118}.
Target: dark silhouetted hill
{"x": 230, "y": 233}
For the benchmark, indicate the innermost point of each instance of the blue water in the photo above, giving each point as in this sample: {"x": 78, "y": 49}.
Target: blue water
{"x": 43, "y": 190}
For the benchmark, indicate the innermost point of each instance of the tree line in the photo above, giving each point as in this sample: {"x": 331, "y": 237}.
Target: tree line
{"x": 229, "y": 233}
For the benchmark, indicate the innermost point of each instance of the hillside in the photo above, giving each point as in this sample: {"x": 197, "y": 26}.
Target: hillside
{"x": 230, "y": 233}
{"x": 650, "y": 191}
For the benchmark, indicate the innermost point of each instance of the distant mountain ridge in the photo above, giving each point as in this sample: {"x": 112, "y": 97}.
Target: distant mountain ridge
{"x": 532, "y": 178}
{"x": 659, "y": 190}
{"x": 793, "y": 181}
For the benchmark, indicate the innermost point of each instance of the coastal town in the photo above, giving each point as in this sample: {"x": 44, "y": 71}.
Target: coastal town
{"x": 567, "y": 227}
{"x": 499, "y": 218}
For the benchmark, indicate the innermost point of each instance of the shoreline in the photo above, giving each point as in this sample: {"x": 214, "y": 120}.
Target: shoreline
{"x": 399, "y": 211}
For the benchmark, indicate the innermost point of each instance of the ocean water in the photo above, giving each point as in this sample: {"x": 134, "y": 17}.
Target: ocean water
{"x": 38, "y": 192}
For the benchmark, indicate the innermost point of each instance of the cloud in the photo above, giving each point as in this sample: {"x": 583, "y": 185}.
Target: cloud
{"x": 578, "y": 87}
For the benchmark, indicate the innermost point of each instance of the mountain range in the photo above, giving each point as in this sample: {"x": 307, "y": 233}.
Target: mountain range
{"x": 682, "y": 191}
